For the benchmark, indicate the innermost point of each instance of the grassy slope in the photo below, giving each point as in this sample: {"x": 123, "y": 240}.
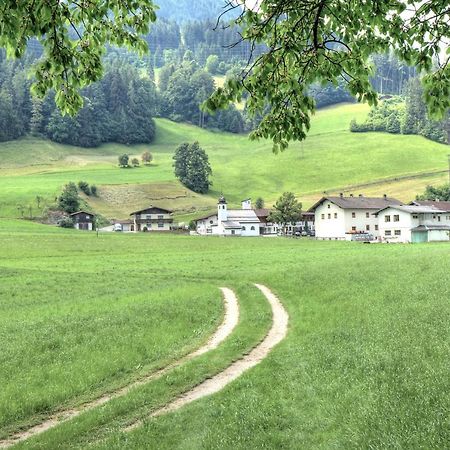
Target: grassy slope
{"x": 331, "y": 159}
{"x": 365, "y": 363}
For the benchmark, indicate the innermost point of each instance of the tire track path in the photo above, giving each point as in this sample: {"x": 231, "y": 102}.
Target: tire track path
{"x": 213, "y": 385}
{"x": 231, "y": 319}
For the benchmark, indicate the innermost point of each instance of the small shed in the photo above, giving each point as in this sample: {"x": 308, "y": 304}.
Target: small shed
{"x": 83, "y": 220}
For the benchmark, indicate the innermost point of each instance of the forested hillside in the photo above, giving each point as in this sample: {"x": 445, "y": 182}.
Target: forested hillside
{"x": 186, "y": 10}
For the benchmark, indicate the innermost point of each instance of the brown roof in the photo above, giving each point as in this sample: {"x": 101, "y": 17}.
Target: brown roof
{"x": 262, "y": 212}
{"x": 81, "y": 212}
{"x": 152, "y": 208}
{"x": 442, "y": 205}
{"x": 358, "y": 202}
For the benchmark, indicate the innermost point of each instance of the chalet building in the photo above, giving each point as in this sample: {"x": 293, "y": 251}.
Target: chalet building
{"x": 342, "y": 217}
{"x": 415, "y": 223}
{"x": 266, "y": 228}
{"x": 152, "y": 218}
{"x": 83, "y": 220}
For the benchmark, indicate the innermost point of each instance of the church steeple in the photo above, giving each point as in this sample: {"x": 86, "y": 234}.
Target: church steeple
{"x": 222, "y": 213}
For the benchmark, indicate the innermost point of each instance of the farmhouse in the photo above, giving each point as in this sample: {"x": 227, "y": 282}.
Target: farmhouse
{"x": 414, "y": 223}
{"x": 230, "y": 222}
{"x": 83, "y": 220}
{"x": 152, "y": 218}
{"x": 342, "y": 217}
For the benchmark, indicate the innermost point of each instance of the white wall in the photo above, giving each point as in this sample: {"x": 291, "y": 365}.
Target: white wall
{"x": 438, "y": 235}
{"x": 403, "y": 225}
{"x": 332, "y": 225}
{"x": 248, "y": 229}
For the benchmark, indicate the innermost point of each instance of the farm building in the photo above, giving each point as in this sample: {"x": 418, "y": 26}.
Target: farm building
{"x": 414, "y": 223}
{"x": 152, "y": 218}
{"x": 83, "y": 220}
{"x": 341, "y": 217}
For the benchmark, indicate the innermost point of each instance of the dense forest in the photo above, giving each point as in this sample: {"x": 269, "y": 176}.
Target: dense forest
{"x": 171, "y": 81}
{"x": 405, "y": 114}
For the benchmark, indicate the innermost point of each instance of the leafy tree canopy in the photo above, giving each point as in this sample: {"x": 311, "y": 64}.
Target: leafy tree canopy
{"x": 192, "y": 167}
{"x": 306, "y": 42}
{"x": 331, "y": 40}
{"x": 286, "y": 210}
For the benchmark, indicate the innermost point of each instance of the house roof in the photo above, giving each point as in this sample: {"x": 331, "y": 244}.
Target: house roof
{"x": 376, "y": 203}
{"x": 155, "y": 208}
{"x": 436, "y": 203}
{"x": 430, "y": 227}
{"x": 205, "y": 217}
{"x": 81, "y": 212}
{"x": 412, "y": 209}
{"x": 262, "y": 212}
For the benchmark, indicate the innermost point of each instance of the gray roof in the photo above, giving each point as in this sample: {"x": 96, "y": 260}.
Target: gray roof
{"x": 436, "y": 203}
{"x": 413, "y": 209}
{"x": 431, "y": 227}
{"x": 375, "y": 203}
{"x": 242, "y": 215}
{"x": 231, "y": 224}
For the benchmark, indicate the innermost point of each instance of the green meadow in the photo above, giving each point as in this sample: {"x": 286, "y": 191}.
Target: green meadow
{"x": 364, "y": 365}
{"x": 331, "y": 159}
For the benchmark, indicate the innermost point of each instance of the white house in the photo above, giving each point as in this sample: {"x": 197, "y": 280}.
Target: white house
{"x": 413, "y": 223}
{"x": 342, "y": 217}
{"x": 230, "y": 222}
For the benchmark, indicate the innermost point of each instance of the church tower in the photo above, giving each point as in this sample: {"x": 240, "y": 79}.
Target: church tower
{"x": 222, "y": 214}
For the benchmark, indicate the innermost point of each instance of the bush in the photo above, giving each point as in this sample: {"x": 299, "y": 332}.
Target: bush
{"x": 94, "y": 190}
{"x": 84, "y": 187}
{"x": 67, "y": 222}
{"x": 123, "y": 160}
{"x": 135, "y": 162}
{"x": 69, "y": 201}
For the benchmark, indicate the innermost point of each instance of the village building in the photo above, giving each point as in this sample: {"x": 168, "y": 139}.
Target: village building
{"x": 342, "y": 217}
{"x": 83, "y": 220}
{"x": 415, "y": 223}
{"x": 230, "y": 222}
{"x": 152, "y": 218}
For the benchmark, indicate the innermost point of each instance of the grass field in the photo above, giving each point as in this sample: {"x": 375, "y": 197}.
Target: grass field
{"x": 365, "y": 363}
{"x": 331, "y": 159}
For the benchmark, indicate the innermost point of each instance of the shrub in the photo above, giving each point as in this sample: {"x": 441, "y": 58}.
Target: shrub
{"x": 94, "y": 190}
{"x": 84, "y": 187}
{"x": 123, "y": 160}
{"x": 66, "y": 222}
{"x": 135, "y": 162}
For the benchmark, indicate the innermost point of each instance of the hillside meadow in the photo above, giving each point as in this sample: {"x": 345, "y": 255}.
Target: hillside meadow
{"x": 331, "y": 159}
{"x": 364, "y": 365}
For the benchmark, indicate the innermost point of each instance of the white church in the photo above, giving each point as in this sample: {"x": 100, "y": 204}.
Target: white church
{"x": 230, "y": 222}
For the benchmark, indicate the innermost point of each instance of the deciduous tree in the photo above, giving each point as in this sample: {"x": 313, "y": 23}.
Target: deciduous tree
{"x": 286, "y": 210}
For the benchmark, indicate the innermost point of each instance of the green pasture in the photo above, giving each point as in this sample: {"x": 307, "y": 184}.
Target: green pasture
{"x": 331, "y": 159}
{"x": 364, "y": 365}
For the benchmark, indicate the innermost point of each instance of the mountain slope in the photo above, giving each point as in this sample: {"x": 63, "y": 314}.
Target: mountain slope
{"x": 183, "y": 10}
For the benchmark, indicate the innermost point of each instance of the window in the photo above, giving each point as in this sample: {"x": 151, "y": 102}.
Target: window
{"x": 329, "y": 206}
{"x": 376, "y": 227}
{"x": 329, "y": 216}
{"x": 353, "y": 228}
{"x": 160, "y": 225}
{"x": 232, "y": 231}
{"x": 396, "y": 218}
{"x": 367, "y": 215}
{"x": 398, "y": 232}
{"x": 160, "y": 217}
{"x": 387, "y": 232}
{"x": 211, "y": 222}
{"x": 87, "y": 217}
{"x": 335, "y": 215}
{"x": 367, "y": 227}
{"x": 243, "y": 229}
{"x": 415, "y": 216}
{"x": 387, "y": 218}
{"x": 252, "y": 228}
{"x": 148, "y": 216}
{"x": 323, "y": 216}
{"x": 353, "y": 215}
{"x": 439, "y": 218}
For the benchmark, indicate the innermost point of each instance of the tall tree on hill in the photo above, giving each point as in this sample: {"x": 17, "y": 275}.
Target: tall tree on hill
{"x": 192, "y": 167}
{"x": 286, "y": 210}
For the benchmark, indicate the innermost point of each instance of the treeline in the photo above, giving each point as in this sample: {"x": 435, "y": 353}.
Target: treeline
{"x": 405, "y": 115}
{"x": 119, "y": 108}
